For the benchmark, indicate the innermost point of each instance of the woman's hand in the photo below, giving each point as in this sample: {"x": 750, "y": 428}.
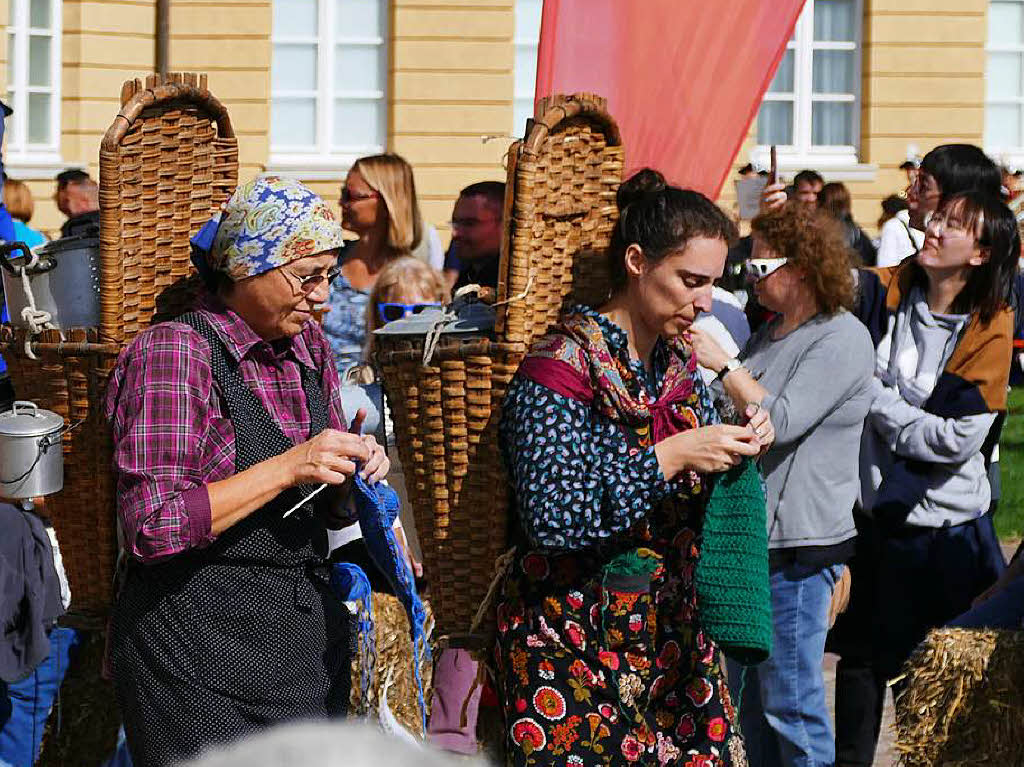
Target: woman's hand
{"x": 329, "y": 457}
{"x": 377, "y": 464}
{"x": 773, "y": 197}
{"x": 1013, "y": 571}
{"x": 709, "y": 353}
{"x": 706, "y": 450}
{"x": 760, "y": 421}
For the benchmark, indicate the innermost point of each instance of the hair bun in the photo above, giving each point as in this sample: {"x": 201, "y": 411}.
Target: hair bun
{"x": 643, "y": 183}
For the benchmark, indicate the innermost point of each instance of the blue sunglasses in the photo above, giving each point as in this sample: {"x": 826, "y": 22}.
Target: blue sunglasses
{"x": 390, "y": 311}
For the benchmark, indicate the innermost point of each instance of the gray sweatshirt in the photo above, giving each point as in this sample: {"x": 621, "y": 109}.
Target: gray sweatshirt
{"x": 818, "y": 379}
{"x": 909, "y": 360}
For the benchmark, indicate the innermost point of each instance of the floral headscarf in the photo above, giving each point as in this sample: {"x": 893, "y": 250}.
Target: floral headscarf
{"x": 267, "y": 223}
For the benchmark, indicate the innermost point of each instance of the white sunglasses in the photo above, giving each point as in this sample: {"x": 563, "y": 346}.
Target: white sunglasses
{"x": 759, "y": 268}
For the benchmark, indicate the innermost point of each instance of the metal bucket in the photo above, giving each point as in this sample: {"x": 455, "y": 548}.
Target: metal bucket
{"x": 65, "y": 281}
{"x": 31, "y": 453}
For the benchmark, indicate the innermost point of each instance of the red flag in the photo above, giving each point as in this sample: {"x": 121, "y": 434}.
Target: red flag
{"x": 683, "y": 78}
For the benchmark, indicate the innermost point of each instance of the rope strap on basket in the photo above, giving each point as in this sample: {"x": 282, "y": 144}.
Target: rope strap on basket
{"x": 36, "y": 319}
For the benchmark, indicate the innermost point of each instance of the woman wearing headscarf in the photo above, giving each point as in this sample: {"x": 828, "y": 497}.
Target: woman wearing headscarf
{"x": 223, "y": 420}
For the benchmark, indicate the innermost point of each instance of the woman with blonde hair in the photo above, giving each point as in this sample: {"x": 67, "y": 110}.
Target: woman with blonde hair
{"x": 19, "y": 203}
{"x": 378, "y": 203}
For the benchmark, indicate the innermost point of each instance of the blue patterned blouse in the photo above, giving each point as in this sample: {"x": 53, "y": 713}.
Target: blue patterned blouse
{"x": 345, "y": 323}
{"x": 579, "y": 478}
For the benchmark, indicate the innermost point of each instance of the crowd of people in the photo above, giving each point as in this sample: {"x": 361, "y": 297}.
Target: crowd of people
{"x": 866, "y": 380}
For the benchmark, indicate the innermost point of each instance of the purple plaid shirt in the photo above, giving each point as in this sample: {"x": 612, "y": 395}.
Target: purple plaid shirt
{"x": 171, "y": 432}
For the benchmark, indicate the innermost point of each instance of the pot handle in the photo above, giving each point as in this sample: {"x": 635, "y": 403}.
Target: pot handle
{"x": 9, "y": 247}
{"x": 25, "y": 404}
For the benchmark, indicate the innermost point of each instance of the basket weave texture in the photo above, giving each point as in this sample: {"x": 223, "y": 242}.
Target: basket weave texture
{"x": 168, "y": 159}
{"x": 559, "y": 214}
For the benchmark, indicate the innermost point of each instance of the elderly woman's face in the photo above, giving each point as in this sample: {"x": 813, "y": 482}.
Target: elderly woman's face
{"x": 276, "y": 304}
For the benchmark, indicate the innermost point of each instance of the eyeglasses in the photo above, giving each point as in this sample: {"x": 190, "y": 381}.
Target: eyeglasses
{"x": 347, "y": 198}
{"x": 310, "y": 282}
{"x": 390, "y": 311}
{"x": 759, "y": 268}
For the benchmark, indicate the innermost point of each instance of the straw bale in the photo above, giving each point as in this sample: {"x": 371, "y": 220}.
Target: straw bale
{"x": 395, "y": 660}
{"x": 963, "y": 701}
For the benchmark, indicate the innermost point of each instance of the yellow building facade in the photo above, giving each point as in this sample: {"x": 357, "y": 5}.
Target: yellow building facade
{"x": 312, "y": 84}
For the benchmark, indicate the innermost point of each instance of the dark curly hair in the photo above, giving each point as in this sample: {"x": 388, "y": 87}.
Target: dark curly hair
{"x": 661, "y": 219}
{"x": 813, "y": 242}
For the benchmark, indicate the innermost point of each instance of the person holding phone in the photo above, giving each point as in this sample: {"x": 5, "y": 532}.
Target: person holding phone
{"x": 810, "y": 368}
{"x": 610, "y": 436}
{"x": 222, "y": 420}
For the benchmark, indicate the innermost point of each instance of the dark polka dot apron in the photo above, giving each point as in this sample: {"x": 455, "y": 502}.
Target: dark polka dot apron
{"x": 221, "y": 642}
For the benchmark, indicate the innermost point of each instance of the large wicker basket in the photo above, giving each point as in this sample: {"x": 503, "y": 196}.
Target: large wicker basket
{"x": 559, "y": 213}
{"x": 169, "y": 158}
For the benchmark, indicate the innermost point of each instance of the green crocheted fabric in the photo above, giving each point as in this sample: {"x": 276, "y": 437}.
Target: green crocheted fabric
{"x": 733, "y": 592}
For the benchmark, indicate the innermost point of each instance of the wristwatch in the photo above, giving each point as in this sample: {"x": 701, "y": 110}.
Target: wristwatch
{"x": 730, "y": 366}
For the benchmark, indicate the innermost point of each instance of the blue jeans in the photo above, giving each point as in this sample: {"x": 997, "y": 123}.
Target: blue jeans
{"x": 26, "y": 705}
{"x": 783, "y": 715}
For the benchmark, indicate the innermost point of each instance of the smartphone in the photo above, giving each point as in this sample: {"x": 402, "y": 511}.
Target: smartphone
{"x": 773, "y": 171}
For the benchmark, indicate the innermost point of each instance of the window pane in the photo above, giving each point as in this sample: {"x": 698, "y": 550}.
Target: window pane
{"x": 293, "y": 122}
{"x": 528, "y": 13}
{"x": 1005, "y": 21}
{"x": 775, "y": 123}
{"x": 295, "y": 18}
{"x": 39, "y": 60}
{"x": 526, "y": 71}
{"x": 1002, "y": 126}
{"x": 783, "y": 80}
{"x": 833, "y": 72}
{"x": 358, "y": 68}
{"x": 12, "y": 62}
{"x": 834, "y": 20}
{"x": 358, "y": 122}
{"x": 294, "y": 68}
{"x": 39, "y": 14}
{"x": 832, "y": 123}
{"x": 358, "y": 18}
{"x": 38, "y": 118}
{"x": 1002, "y": 76}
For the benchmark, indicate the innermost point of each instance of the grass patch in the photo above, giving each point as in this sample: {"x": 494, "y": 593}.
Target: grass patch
{"x": 1010, "y": 517}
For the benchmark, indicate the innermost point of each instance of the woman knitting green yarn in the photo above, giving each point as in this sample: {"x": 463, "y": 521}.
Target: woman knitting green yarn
{"x": 611, "y": 440}
{"x": 811, "y": 369}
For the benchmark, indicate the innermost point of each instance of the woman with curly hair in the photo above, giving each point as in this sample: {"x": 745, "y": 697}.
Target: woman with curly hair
{"x": 810, "y": 368}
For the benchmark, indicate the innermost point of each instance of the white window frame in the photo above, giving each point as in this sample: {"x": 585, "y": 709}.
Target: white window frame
{"x": 802, "y": 153}
{"x": 523, "y": 42}
{"x": 327, "y": 159}
{"x": 19, "y": 155}
{"x": 1012, "y": 156}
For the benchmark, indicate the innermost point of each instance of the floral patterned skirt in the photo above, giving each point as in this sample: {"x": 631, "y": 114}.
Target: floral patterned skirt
{"x": 604, "y": 662}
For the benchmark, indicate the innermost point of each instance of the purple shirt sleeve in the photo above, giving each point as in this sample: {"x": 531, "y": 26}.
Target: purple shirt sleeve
{"x": 158, "y": 405}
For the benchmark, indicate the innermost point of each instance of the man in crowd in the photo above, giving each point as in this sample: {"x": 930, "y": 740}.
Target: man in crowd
{"x": 476, "y": 234}
{"x": 806, "y": 186}
{"x": 77, "y": 197}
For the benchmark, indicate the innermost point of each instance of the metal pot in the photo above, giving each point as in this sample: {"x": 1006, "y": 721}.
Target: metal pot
{"x": 65, "y": 281}
{"x": 31, "y": 454}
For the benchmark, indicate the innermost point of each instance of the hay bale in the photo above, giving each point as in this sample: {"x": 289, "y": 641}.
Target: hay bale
{"x": 395, "y": 660}
{"x": 964, "y": 700}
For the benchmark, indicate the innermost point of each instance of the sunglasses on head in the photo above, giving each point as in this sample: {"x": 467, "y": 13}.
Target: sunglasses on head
{"x": 759, "y": 268}
{"x": 390, "y": 311}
